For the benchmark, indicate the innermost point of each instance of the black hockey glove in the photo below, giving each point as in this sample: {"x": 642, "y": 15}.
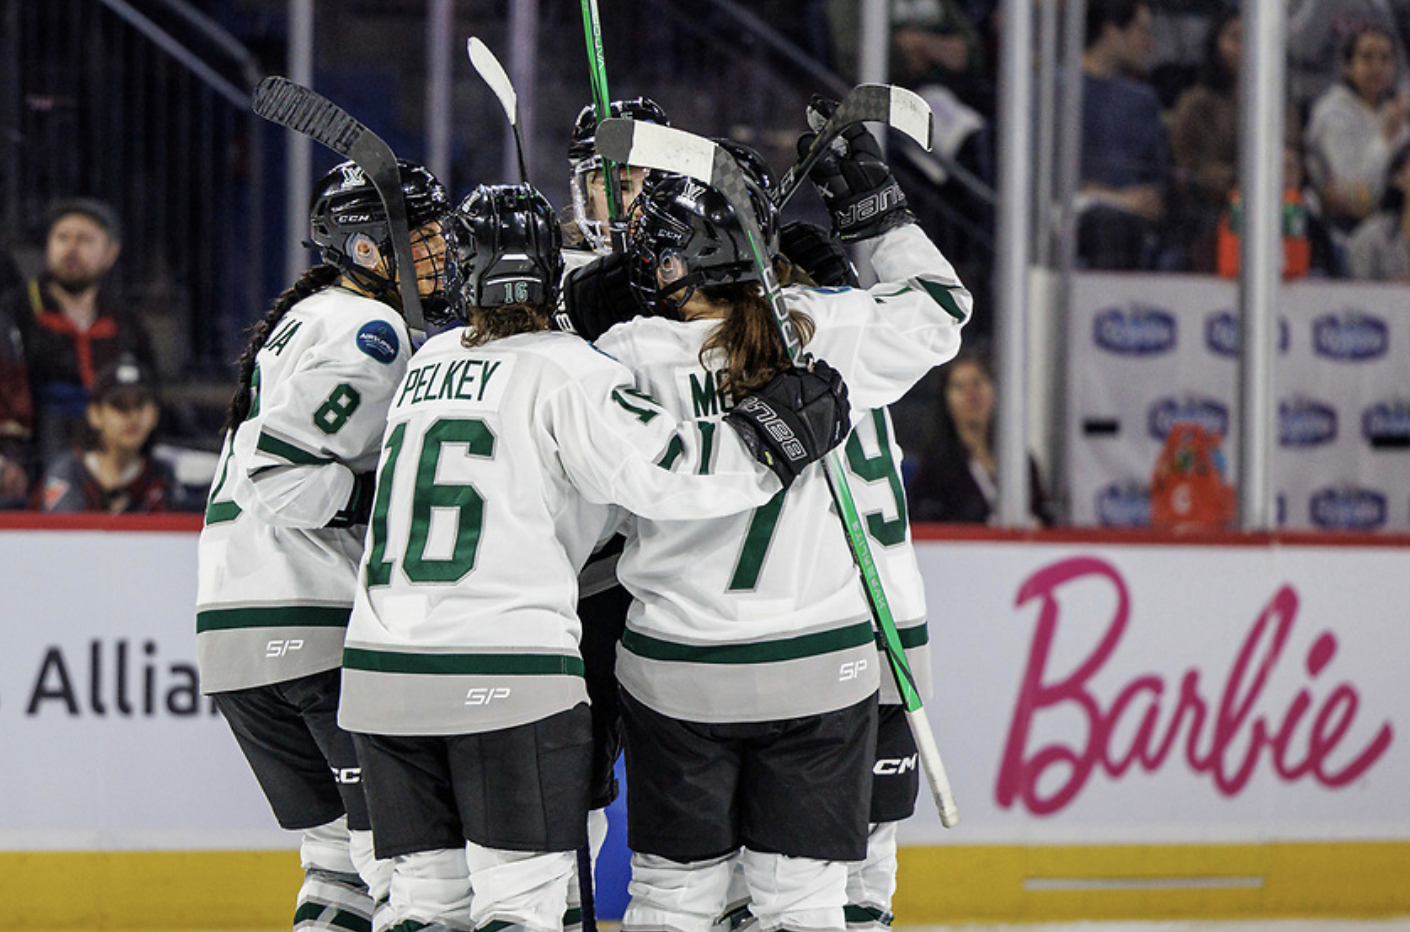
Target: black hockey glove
{"x": 818, "y": 253}
{"x": 358, "y": 510}
{"x": 599, "y": 295}
{"x": 854, "y": 180}
{"x": 795, "y": 419}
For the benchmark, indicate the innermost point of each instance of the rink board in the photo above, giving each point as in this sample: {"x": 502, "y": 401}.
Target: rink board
{"x": 1135, "y": 728}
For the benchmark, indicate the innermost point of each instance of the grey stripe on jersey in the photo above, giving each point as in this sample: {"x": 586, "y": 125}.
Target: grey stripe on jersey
{"x": 238, "y": 648}
{"x": 422, "y": 693}
{"x": 789, "y": 676}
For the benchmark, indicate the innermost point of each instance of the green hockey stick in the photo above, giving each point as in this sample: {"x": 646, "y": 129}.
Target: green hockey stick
{"x": 602, "y": 104}
{"x": 651, "y": 146}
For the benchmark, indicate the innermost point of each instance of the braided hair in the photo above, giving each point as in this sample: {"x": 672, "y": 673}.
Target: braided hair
{"x": 313, "y": 280}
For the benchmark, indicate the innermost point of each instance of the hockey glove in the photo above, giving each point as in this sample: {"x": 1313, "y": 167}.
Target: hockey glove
{"x": 813, "y": 250}
{"x": 599, "y": 295}
{"x": 795, "y": 419}
{"x": 358, "y": 509}
{"x": 854, "y": 180}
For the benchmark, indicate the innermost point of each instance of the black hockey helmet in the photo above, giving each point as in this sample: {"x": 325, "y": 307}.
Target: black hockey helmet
{"x": 684, "y": 234}
{"x": 506, "y": 248}
{"x": 757, "y": 170}
{"x": 346, "y": 216}
{"x": 583, "y": 143}
{"x": 587, "y": 163}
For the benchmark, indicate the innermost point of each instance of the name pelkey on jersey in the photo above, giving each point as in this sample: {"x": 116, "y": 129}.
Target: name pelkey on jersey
{"x": 476, "y": 380}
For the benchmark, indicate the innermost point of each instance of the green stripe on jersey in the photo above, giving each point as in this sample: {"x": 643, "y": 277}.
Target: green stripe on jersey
{"x": 858, "y": 915}
{"x": 805, "y": 645}
{"x": 273, "y": 616}
{"x": 220, "y": 512}
{"x": 673, "y": 452}
{"x": 287, "y": 451}
{"x": 941, "y": 294}
{"x": 378, "y": 661}
{"x": 410, "y": 925}
{"x": 325, "y": 914}
{"x": 917, "y": 636}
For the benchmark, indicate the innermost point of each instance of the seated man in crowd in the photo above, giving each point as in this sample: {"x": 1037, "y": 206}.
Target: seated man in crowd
{"x": 16, "y": 414}
{"x": 69, "y": 323}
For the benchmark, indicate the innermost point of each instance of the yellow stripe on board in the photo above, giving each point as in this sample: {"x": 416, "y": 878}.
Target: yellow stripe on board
{"x": 1011, "y": 883}
{"x": 95, "y": 891}
{"x": 240, "y": 890}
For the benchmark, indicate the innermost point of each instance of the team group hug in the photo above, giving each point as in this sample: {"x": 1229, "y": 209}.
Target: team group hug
{"x": 446, "y": 581}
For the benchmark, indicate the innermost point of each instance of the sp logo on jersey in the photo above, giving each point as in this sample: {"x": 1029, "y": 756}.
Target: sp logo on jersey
{"x": 484, "y": 695}
{"x": 851, "y": 670}
{"x": 283, "y": 648}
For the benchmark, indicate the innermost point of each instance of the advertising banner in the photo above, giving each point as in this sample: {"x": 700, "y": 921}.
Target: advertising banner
{"x": 108, "y": 744}
{"x": 1140, "y": 694}
{"x": 1146, "y": 352}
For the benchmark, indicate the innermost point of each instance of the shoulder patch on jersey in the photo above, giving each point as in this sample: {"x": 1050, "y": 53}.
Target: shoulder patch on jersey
{"x": 378, "y": 339}
{"x": 829, "y": 289}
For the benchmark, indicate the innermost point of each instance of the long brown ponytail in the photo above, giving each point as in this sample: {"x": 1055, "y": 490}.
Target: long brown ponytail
{"x": 748, "y": 338}
{"x": 313, "y": 280}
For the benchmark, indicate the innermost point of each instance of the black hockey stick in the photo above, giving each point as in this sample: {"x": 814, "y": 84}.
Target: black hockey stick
{"x": 897, "y": 107}
{"x": 652, "y": 146}
{"x": 489, "y": 68}
{"x": 305, "y": 111}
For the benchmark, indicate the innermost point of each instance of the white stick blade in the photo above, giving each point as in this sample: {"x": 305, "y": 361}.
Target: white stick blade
{"x": 934, "y": 767}
{"x": 494, "y": 75}
{"x": 910, "y": 114}
{"x": 649, "y": 145}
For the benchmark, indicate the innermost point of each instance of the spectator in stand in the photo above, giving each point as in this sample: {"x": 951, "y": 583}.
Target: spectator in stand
{"x": 70, "y": 325}
{"x": 1125, "y": 160}
{"x": 933, "y": 42}
{"x": 1204, "y": 142}
{"x": 1318, "y": 31}
{"x": 115, "y": 470}
{"x": 1379, "y": 249}
{"x": 1354, "y": 128}
{"x": 957, "y": 479}
{"x": 16, "y": 414}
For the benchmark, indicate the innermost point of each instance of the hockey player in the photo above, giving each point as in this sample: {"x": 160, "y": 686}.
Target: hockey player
{"x": 873, "y": 459}
{"x": 506, "y": 445}
{"x": 285, "y": 521}
{"x": 588, "y": 182}
{"x": 749, "y": 682}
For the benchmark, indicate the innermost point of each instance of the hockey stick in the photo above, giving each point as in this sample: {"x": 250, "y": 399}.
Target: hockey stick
{"x": 660, "y": 147}
{"x": 305, "y": 111}
{"x": 897, "y": 107}
{"x": 602, "y": 105}
{"x": 489, "y": 68}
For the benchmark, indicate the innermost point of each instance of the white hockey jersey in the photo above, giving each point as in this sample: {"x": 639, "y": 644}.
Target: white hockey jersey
{"x": 499, "y": 466}
{"x": 763, "y": 616}
{"x": 275, "y": 585}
